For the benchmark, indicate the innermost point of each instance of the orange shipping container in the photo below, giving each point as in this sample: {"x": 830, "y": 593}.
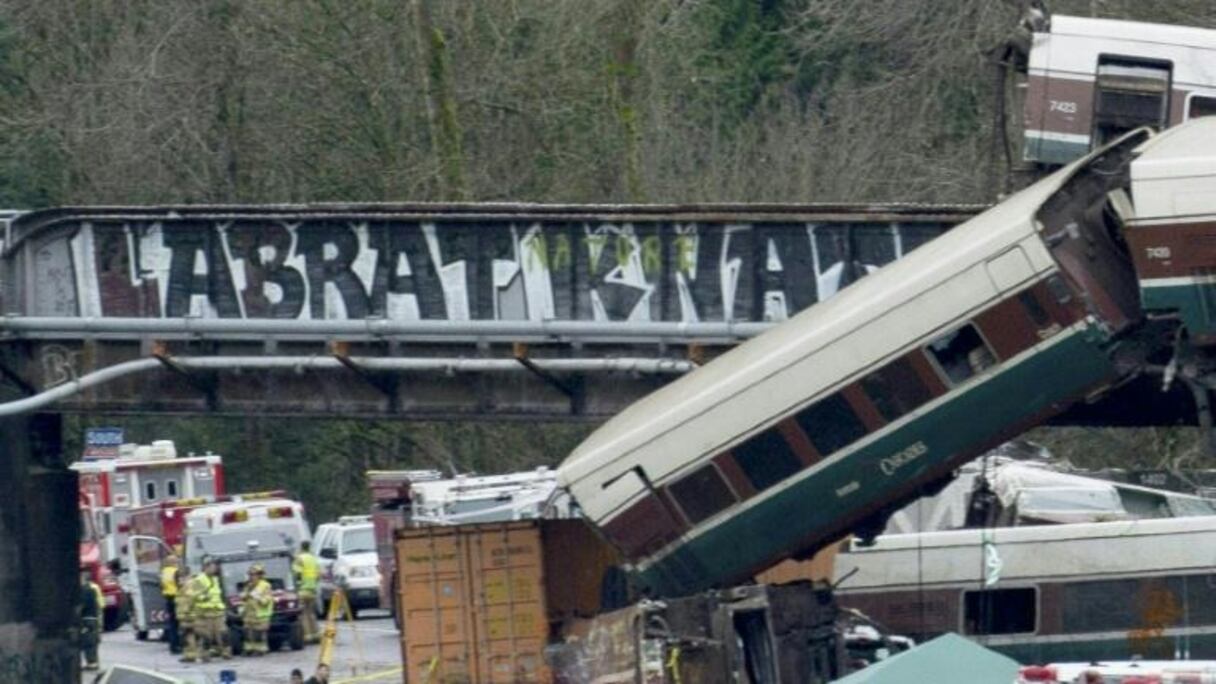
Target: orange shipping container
{"x": 478, "y": 601}
{"x": 818, "y": 568}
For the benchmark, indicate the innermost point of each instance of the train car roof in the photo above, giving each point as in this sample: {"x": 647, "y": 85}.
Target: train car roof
{"x": 1177, "y": 152}
{"x": 1135, "y": 31}
{"x": 1079, "y": 551}
{"x": 671, "y": 406}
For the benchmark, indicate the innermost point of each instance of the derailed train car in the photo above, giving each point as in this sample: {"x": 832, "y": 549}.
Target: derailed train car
{"x": 1090, "y": 80}
{"x": 775, "y": 634}
{"x": 825, "y": 424}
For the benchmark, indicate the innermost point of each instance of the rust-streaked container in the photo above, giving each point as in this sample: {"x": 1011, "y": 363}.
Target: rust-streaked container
{"x": 477, "y": 601}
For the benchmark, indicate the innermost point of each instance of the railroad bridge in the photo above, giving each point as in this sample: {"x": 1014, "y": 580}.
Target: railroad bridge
{"x": 407, "y": 311}
{"x": 424, "y": 311}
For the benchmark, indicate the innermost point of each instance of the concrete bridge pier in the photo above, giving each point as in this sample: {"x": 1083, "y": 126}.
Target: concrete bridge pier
{"x": 39, "y": 553}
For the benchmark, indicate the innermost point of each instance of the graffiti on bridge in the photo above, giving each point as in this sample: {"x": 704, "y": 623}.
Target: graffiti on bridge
{"x": 59, "y": 364}
{"x": 458, "y": 270}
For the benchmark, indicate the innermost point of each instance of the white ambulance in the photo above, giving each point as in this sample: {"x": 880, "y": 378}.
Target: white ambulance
{"x": 243, "y": 515}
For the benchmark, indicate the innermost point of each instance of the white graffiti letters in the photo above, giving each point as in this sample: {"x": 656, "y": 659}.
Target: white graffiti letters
{"x": 454, "y": 268}
{"x": 59, "y": 365}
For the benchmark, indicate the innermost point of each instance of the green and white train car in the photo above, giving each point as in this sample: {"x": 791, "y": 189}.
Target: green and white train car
{"x": 1170, "y": 227}
{"x": 1089, "y": 80}
{"x": 828, "y": 422}
{"x": 1047, "y": 593}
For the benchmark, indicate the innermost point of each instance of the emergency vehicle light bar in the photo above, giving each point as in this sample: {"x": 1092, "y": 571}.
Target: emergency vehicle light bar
{"x": 183, "y": 503}
{"x": 255, "y": 496}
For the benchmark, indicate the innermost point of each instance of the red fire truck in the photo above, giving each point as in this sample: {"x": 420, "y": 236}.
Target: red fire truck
{"x": 140, "y": 476}
{"x": 166, "y": 520}
{"x": 391, "y": 510}
{"x": 90, "y": 559}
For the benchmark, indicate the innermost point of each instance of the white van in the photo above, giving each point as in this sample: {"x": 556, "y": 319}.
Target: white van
{"x": 239, "y": 517}
{"x": 346, "y": 551}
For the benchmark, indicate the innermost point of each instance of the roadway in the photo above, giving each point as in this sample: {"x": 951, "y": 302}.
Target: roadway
{"x": 366, "y": 647}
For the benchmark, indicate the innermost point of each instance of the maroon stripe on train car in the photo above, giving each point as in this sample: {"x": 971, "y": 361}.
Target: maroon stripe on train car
{"x": 931, "y": 611}
{"x": 1136, "y": 605}
{"x": 1114, "y": 312}
{"x": 673, "y": 508}
{"x": 1062, "y": 313}
{"x": 734, "y": 475}
{"x": 1177, "y": 105}
{"x": 1174, "y": 249}
{"x": 1095, "y": 264}
{"x": 863, "y": 407}
{"x": 1008, "y": 328}
{"x": 1073, "y": 108}
{"x": 1051, "y": 609}
{"x": 644, "y": 527}
{"x": 927, "y": 374}
{"x": 1035, "y": 107}
{"x": 799, "y": 443}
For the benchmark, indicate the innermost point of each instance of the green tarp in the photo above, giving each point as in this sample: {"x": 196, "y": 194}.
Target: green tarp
{"x": 948, "y": 659}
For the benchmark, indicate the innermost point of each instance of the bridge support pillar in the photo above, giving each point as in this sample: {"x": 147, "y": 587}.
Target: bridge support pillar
{"x": 39, "y": 553}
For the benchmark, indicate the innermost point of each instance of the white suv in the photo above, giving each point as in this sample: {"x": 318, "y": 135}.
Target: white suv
{"x": 347, "y": 552}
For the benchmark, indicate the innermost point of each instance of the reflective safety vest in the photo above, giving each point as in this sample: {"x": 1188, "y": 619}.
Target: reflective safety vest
{"x": 184, "y": 602}
{"x": 259, "y": 601}
{"x": 307, "y": 570}
{"x": 101, "y": 600}
{"x": 208, "y": 600}
{"x": 168, "y": 581}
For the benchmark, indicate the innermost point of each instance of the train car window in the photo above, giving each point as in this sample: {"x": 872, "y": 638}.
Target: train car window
{"x": 1129, "y": 92}
{"x": 830, "y": 424}
{"x": 766, "y": 459}
{"x": 895, "y": 389}
{"x": 1200, "y": 105}
{"x": 1034, "y": 309}
{"x": 961, "y": 353}
{"x": 1000, "y": 611}
{"x": 1105, "y": 605}
{"x": 1059, "y": 289}
{"x": 1099, "y": 606}
{"x": 702, "y": 494}
{"x": 1200, "y": 593}
{"x": 645, "y": 526}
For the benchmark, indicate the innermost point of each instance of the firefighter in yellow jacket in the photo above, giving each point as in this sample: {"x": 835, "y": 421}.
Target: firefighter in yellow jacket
{"x": 168, "y": 590}
{"x": 257, "y": 605}
{"x": 207, "y": 611}
{"x": 307, "y": 570}
{"x": 183, "y": 606}
{"x": 90, "y": 607}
